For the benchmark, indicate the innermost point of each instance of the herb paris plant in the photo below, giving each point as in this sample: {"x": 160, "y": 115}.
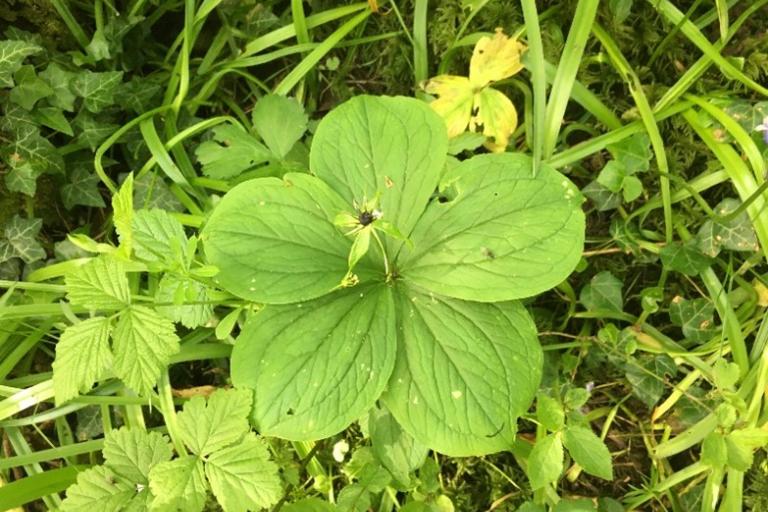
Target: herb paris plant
{"x": 438, "y": 336}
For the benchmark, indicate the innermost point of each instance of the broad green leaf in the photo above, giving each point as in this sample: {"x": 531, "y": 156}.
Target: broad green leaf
{"x": 695, "y": 316}
{"x": 317, "y": 366}
{"x": 529, "y": 506}
{"x": 97, "y": 89}
{"x": 178, "y": 485}
{"x": 684, "y": 257}
{"x": 397, "y": 450}
{"x": 150, "y": 191}
{"x": 82, "y": 189}
{"x": 29, "y": 88}
{"x": 612, "y": 176}
{"x": 391, "y": 146}
{"x": 82, "y": 358}
{"x": 588, "y": 451}
{"x": 159, "y": 238}
{"x": 12, "y": 54}
{"x": 99, "y": 284}
{"x": 726, "y": 374}
{"x": 243, "y": 477}
{"x": 60, "y": 81}
{"x": 280, "y": 122}
{"x": 714, "y": 450}
{"x": 132, "y": 453}
{"x": 495, "y": 58}
{"x": 309, "y": 505}
{"x": 507, "y": 234}
{"x": 209, "y": 425}
{"x": 143, "y": 342}
{"x": 122, "y": 216}
{"x": 620, "y": 10}
{"x": 545, "y": 463}
{"x": 98, "y": 488}
{"x": 549, "y": 412}
{"x": 19, "y": 240}
{"x": 232, "y": 152}
{"x": 22, "y": 178}
{"x": 579, "y": 505}
{"x": 603, "y": 293}
{"x": 274, "y": 240}
{"x": 742, "y": 444}
{"x": 192, "y": 310}
{"x": 366, "y": 471}
{"x": 465, "y": 372}
{"x": 353, "y": 498}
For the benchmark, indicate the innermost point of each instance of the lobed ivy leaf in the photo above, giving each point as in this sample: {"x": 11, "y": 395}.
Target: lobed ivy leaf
{"x": 22, "y": 178}
{"x": 28, "y": 147}
{"x": 685, "y": 257}
{"x": 647, "y": 379}
{"x": 53, "y": 118}
{"x": 29, "y": 88}
{"x": 82, "y": 357}
{"x": 60, "y": 80}
{"x": 82, "y": 189}
{"x": 12, "y": 54}
{"x": 695, "y": 316}
{"x": 97, "y": 89}
{"x": 603, "y": 293}
{"x": 19, "y": 240}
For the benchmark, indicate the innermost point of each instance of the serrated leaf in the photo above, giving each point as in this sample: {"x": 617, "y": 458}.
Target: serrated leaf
{"x": 274, "y": 240}
{"x": 684, "y": 257}
{"x": 159, "y": 238}
{"x": 132, "y": 453}
{"x": 549, "y": 412}
{"x": 397, "y": 450}
{"x": 12, "y": 54}
{"x": 22, "y": 179}
{"x": 588, "y": 451}
{"x": 545, "y": 463}
{"x": 97, "y": 89}
{"x": 309, "y": 505}
{"x": 392, "y": 147}
{"x": 316, "y": 367}
{"x": 20, "y": 240}
{"x": 209, "y": 425}
{"x": 82, "y": 358}
{"x": 458, "y": 410}
{"x": 98, "y": 488}
{"x": 696, "y": 317}
{"x": 178, "y": 485}
{"x": 143, "y": 342}
{"x": 603, "y": 293}
{"x": 193, "y": 311}
{"x": 60, "y": 81}
{"x": 232, "y": 152}
{"x": 280, "y": 122}
{"x": 122, "y": 216}
{"x": 82, "y": 189}
{"x": 506, "y": 234}
{"x": 243, "y": 477}
{"x": 99, "y": 284}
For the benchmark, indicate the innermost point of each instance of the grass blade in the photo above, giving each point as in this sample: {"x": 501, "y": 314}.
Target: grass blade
{"x": 535, "y": 64}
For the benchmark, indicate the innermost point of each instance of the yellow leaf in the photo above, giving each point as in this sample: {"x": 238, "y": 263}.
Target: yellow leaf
{"x": 497, "y": 116}
{"x": 454, "y": 102}
{"x": 495, "y": 58}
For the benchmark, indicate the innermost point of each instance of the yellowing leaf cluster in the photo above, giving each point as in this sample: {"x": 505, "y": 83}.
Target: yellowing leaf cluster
{"x": 469, "y": 102}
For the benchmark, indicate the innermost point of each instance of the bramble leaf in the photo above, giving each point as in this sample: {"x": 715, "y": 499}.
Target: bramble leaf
{"x": 122, "y": 216}
{"x": 317, "y": 366}
{"x": 82, "y": 357}
{"x": 99, "y": 284}
{"x": 98, "y": 488}
{"x": 143, "y": 343}
{"x": 132, "y": 453}
{"x": 159, "y": 238}
{"x": 178, "y": 485}
{"x": 82, "y": 189}
{"x": 209, "y": 425}
{"x": 188, "y": 297}
{"x": 603, "y": 293}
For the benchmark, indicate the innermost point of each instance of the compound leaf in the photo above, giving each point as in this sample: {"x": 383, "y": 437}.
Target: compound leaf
{"x": 465, "y": 372}
{"x": 274, "y": 240}
{"x": 132, "y": 453}
{"x": 178, "y": 485}
{"x": 99, "y": 284}
{"x": 158, "y": 237}
{"x": 98, "y": 488}
{"x": 243, "y": 477}
{"x": 317, "y": 366}
{"x": 143, "y": 343}
{"x": 209, "y": 425}
{"x": 82, "y": 357}
{"x": 506, "y": 234}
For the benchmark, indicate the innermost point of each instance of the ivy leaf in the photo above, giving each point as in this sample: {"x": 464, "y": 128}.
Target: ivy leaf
{"x": 588, "y": 451}
{"x": 647, "y": 380}
{"x": 696, "y": 317}
{"x": 132, "y": 453}
{"x": 93, "y": 130}
{"x": 506, "y": 234}
{"x": 545, "y": 463}
{"x": 99, "y": 284}
{"x": 159, "y": 238}
{"x": 22, "y": 179}
{"x": 82, "y": 189}
{"x": 60, "y": 81}
{"x": 274, "y": 240}
{"x": 20, "y": 240}
{"x": 243, "y": 477}
{"x": 30, "y": 148}
{"x": 29, "y": 88}
{"x": 458, "y": 410}
{"x": 633, "y": 153}
{"x": 178, "y": 485}
{"x": 232, "y": 152}
{"x": 685, "y": 257}
{"x": 143, "y": 343}
{"x": 97, "y": 89}
{"x": 12, "y": 54}
{"x": 603, "y": 198}
{"x": 209, "y": 425}
{"x": 82, "y": 358}
{"x": 188, "y": 296}
{"x": 98, "y": 488}
{"x": 53, "y": 118}
{"x": 603, "y": 293}
{"x": 387, "y": 146}
{"x": 316, "y": 367}
{"x": 736, "y": 234}
{"x": 280, "y": 122}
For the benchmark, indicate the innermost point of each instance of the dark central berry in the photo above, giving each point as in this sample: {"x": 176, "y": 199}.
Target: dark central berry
{"x": 365, "y": 218}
